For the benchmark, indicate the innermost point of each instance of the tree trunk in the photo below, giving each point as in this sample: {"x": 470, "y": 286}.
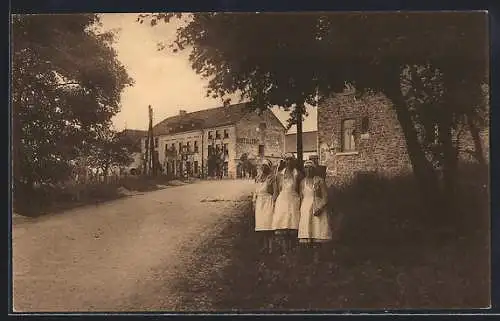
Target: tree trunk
{"x": 422, "y": 168}
{"x": 299, "y": 109}
{"x": 450, "y": 106}
{"x": 450, "y": 160}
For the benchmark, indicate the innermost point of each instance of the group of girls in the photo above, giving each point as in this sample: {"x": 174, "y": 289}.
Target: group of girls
{"x": 290, "y": 206}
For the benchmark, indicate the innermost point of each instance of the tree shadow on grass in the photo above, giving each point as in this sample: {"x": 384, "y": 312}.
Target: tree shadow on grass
{"x": 386, "y": 257}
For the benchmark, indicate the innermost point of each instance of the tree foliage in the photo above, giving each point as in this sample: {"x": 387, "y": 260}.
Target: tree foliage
{"x": 296, "y": 58}
{"x": 282, "y": 59}
{"x": 66, "y": 86}
{"x": 113, "y": 149}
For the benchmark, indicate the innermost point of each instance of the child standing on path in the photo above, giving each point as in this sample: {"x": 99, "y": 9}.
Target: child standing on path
{"x": 314, "y": 225}
{"x": 264, "y": 205}
{"x": 287, "y": 206}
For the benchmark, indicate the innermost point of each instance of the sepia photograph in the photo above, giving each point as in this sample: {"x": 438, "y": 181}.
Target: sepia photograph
{"x": 250, "y": 162}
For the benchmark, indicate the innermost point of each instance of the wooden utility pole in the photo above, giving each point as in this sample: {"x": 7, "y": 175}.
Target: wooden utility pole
{"x": 151, "y": 142}
{"x": 146, "y": 156}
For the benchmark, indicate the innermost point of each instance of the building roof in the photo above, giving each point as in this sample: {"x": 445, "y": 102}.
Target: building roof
{"x": 309, "y": 142}
{"x": 207, "y": 118}
{"x": 134, "y": 134}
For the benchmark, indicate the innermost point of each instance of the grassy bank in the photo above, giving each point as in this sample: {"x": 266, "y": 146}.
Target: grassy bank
{"x": 387, "y": 257}
{"x": 52, "y": 199}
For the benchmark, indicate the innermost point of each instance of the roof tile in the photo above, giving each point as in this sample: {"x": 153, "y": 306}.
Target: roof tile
{"x": 207, "y": 118}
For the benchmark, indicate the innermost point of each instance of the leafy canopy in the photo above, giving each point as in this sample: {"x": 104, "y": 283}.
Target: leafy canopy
{"x": 286, "y": 59}
{"x": 66, "y": 86}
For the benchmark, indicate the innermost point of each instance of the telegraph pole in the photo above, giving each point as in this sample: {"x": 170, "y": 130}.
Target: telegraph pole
{"x": 146, "y": 153}
{"x": 151, "y": 142}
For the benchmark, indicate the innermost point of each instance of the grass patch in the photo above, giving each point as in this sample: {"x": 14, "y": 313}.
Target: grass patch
{"x": 387, "y": 257}
{"x": 53, "y": 199}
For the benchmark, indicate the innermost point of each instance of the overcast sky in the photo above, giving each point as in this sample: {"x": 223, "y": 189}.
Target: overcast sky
{"x": 162, "y": 79}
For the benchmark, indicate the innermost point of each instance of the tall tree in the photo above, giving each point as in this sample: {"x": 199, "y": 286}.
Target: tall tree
{"x": 66, "y": 85}
{"x": 292, "y": 59}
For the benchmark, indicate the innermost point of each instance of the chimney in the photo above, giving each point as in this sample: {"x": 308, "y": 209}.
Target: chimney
{"x": 182, "y": 112}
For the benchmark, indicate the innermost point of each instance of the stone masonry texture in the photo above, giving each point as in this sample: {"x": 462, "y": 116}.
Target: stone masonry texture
{"x": 381, "y": 149}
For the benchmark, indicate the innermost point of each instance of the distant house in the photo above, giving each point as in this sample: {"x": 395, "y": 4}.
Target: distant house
{"x": 136, "y": 137}
{"x": 309, "y": 144}
{"x": 185, "y": 144}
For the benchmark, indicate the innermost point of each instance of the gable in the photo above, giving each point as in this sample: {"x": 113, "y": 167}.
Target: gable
{"x": 309, "y": 142}
{"x": 267, "y": 116}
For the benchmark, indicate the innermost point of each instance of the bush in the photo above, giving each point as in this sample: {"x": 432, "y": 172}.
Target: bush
{"x": 392, "y": 207}
{"x": 383, "y": 259}
{"x": 32, "y": 202}
{"x": 102, "y": 191}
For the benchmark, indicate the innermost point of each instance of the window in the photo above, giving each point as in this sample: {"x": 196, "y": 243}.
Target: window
{"x": 210, "y": 135}
{"x": 348, "y": 135}
{"x": 226, "y": 149}
{"x": 195, "y": 165}
{"x": 262, "y": 126}
{"x": 196, "y": 146}
{"x": 173, "y": 147}
{"x": 226, "y": 133}
{"x": 166, "y": 149}
{"x": 217, "y": 148}
{"x": 156, "y": 142}
{"x": 364, "y": 125}
{"x": 217, "y": 134}
{"x": 188, "y": 147}
{"x": 210, "y": 150}
{"x": 180, "y": 148}
{"x": 261, "y": 150}
{"x": 225, "y": 168}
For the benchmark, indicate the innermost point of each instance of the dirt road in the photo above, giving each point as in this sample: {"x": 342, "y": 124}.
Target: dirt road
{"x": 110, "y": 256}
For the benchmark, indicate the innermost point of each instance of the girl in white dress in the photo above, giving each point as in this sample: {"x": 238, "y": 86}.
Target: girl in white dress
{"x": 264, "y": 204}
{"x": 287, "y": 205}
{"x": 314, "y": 225}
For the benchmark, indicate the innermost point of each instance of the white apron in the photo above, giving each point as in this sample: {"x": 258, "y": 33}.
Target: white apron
{"x": 264, "y": 206}
{"x": 316, "y": 228}
{"x": 287, "y": 207}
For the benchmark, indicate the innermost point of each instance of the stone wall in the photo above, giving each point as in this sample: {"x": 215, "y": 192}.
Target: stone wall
{"x": 244, "y": 137}
{"x": 251, "y": 134}
{"x": 380, "y": 149}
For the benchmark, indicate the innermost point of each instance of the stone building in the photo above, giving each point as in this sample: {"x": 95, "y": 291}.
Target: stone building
{"x": 363, "y": 134}
{"x": 185, "y": 144}
{"x": 309, "y": 144}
